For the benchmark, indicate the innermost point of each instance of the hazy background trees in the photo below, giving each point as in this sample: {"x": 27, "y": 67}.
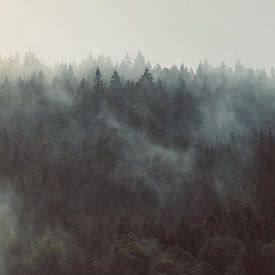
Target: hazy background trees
{"x": 130, "y": 168}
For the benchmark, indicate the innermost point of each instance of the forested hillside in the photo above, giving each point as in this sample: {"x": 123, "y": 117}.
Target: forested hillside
{"x": 130, "y": 168}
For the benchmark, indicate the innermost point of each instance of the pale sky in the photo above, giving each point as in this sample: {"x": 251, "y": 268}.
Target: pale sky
{"x": 165, "y": 31}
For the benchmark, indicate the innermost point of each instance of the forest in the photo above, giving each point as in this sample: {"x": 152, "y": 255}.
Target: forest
{"x": 127, "y": 168}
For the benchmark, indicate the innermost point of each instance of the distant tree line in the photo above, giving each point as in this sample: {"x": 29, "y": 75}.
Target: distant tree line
{"x": 133, "y": 169}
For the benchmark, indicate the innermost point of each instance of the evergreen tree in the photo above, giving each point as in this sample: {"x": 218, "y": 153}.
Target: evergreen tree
{"x": 83, "y": 97}
{"x": 98, "y": 82}
{"x": 139, "y": 64}
{"x": 115, "y": 81}
{"x": 179, "y": 98}
{"x": 146, "y": 79}
{"x": 98, "y": 91}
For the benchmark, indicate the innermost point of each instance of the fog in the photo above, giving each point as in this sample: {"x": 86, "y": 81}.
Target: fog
{"x": 167, "y": 32}
{"x": 132, "y": 168}
{"x": 137, "y": 137}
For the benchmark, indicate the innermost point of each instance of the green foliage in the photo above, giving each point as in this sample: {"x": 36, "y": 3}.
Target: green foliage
{"x": 221, "y": 251}
{"x": 173, "y": 261}
{"x": 49, "y": 255}
{"x": 130, "y": 254}
{"x": 204, "y": 268}
{"x": 146, "y": 170}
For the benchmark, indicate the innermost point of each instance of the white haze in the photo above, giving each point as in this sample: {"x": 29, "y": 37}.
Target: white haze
{"x": 168, "y": 32}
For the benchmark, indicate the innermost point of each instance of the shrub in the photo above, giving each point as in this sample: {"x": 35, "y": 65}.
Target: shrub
{"x": 220, "y": 251}
{"x": 48, "y": 256}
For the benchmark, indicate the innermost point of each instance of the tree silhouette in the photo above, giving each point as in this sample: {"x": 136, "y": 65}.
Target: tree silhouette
{"x": 115, "y": 81}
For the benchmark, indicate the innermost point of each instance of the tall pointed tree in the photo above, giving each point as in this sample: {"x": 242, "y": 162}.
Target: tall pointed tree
{"x": 181, "y": 90}
{"x": 98, "y": 91}
{"x": 84, "y": 97}
{"x": 115, "y": 81}
{"x": 98, "y": 82}
{"x": 146, "y": 79}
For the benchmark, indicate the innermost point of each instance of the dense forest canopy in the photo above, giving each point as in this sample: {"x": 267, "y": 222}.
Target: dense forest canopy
{"x": 130, "y": 168}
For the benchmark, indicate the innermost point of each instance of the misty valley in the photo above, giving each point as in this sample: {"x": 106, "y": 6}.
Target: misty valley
{"x": 132, "y": 169}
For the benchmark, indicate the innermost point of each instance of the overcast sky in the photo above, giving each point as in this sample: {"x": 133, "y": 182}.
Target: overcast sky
{"x": 166, "y": 31}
